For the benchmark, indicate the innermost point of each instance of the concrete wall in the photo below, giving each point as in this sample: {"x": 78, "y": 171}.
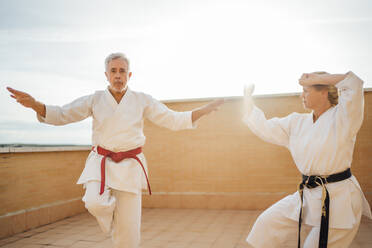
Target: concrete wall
{"x": 38, "y": 188}
{"x": 219, "y": 165}
{"x": 222, "y": 164}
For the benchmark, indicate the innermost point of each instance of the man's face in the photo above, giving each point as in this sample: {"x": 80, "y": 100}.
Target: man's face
{"x": 117, "y": 74}
{"x": 312, "y": 98}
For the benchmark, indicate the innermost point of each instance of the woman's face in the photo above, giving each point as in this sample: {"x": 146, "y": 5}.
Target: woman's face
{"x": 312, "y": 98}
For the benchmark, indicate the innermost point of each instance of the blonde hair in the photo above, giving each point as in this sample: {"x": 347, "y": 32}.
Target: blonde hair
{"x": 332, "y": 90}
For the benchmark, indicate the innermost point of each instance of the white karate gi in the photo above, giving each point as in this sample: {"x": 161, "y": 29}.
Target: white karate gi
{"x": 321, "y": 148}
{"x": 117, "y": 127}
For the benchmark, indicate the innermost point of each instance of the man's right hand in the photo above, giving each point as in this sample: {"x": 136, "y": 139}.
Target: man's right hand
{"x": 28, "y": 101}
{"x": 22, "y": 97}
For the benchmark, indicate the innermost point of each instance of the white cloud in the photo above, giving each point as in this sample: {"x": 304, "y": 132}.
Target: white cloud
{"x": 73, "y": 35}
{"x": 178, "y": 49}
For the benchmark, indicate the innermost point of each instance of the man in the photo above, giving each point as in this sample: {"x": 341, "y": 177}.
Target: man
{"x": 115, "y": 171}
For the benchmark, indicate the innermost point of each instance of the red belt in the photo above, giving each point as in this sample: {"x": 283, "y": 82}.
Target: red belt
{"x": 117, "y": 157}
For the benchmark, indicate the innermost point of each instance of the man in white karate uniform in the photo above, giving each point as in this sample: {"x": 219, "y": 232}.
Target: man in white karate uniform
{"x": 321, "y": 144}
{"x": 116, "y": 171}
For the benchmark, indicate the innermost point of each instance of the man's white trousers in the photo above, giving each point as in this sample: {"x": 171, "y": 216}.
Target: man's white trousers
{"x": 117, "y": 212}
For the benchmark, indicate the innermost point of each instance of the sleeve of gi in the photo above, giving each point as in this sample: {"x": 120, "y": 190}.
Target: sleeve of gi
{"x": 161, "y": 115}
{"x": 75, "y": 111}
{"x": 350, "y": 105}
{"x": 275, "y": 130}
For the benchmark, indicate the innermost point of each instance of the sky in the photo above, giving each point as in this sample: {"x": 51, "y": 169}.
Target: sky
{"x": 55, "y": 50}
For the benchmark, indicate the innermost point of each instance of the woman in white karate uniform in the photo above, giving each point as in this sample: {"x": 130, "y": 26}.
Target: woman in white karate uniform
{"x": 321, "y": 144}
{"x": 113, "y": 187}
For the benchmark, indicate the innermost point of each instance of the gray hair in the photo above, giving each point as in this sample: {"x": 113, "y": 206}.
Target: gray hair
{"x": 113, "y": 56}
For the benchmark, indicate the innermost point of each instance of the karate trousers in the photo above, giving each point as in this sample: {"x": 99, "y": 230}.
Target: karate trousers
{"x": 117, "y": 212}
{"x": 272, "y": 229}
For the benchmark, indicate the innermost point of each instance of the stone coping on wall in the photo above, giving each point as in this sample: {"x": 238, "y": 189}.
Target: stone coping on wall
{"x": 43, "y": 148}
{"x": 19, "y": 148}
{"x": 239, "y": 97}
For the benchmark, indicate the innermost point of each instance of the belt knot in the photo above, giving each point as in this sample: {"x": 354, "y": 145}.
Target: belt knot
{"x": 314, "y": 181}
{"x": 117, "y": 157}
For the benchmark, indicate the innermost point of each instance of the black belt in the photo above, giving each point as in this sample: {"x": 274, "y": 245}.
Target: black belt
{"x": 313, "y": 182}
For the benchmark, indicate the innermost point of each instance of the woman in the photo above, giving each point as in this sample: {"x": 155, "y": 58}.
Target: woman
{"x": 321, "y": 144}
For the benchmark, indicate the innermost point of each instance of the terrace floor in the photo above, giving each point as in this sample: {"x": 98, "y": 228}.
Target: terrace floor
{"x": 162, "y": 228}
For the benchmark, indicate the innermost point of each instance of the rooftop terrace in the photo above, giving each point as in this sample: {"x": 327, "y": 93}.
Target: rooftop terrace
{"x": 163, "y": 228}
{"x": 209, "y": 184}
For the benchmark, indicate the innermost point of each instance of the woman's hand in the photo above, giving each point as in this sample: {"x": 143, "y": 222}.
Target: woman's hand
{"x": 248, "y": 90}
{"x": 309, "y": 79}
{"x": 248, "y": 100}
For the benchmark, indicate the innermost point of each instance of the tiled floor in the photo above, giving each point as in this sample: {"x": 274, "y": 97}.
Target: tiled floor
{"x": 162, "y": 228}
